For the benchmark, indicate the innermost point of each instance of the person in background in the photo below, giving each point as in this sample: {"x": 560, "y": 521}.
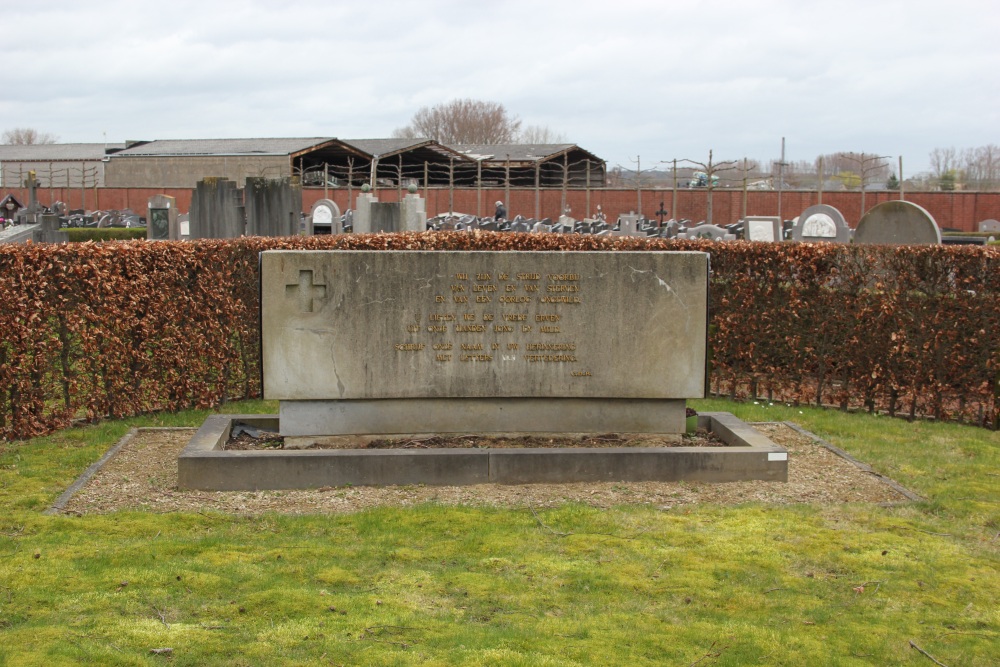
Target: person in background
{"x": 501, "y": 213}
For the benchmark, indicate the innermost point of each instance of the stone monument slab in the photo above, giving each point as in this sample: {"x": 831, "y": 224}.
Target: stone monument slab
{"x": 989, "y": 226}
{"x": 161, "y": 219}
{"x": 897, "y": 223}
{"x": 762, "y": 228}
{"x": 404, "y": 342}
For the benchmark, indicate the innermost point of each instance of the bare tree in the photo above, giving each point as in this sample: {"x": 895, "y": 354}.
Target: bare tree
{"x": 540, "y": 134}
{"x": 463, "y": 122}
{"x": 26, "y": 136}
{"x": 711, "y": 169}
{"x": 981, "y": 167}
{"x": 943, "y": 160}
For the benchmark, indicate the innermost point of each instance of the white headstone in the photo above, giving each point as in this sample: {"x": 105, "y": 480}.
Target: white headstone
{"x": 762, "y": 228}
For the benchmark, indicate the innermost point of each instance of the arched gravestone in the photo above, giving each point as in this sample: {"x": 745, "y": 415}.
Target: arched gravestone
{"x": 897, "y": 223}
{"x": 989, "y": 226}
{"x": 326, "y": 214}
{"x": 821, "y": 224}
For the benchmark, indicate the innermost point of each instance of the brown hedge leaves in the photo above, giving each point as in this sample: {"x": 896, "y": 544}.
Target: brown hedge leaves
{"x": 116, "y": 329}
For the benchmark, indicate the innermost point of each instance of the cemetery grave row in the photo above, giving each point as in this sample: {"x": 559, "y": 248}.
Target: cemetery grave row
{"x": 125, "y": 328}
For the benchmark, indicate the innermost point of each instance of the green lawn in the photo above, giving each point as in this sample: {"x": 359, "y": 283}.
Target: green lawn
{"x": 435, "y": 585}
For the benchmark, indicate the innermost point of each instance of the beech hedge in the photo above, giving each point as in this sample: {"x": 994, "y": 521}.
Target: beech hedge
{"x": 98, "y": 330}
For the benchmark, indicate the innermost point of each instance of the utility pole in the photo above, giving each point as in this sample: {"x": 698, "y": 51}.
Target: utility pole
{"x": 781, "y": 177}
{"x": 819, "y": 180}
{"x": 744, "y": 188}
{"x": 901, "y": 178}
{"x": 673, "y": 204}
{"x": 638, "y": 182}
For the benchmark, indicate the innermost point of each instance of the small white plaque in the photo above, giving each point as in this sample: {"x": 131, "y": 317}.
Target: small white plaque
{"x": 777, "y": 456}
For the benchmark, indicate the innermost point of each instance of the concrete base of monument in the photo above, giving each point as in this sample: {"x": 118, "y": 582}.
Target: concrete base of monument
{"x": 205, "y": 465}
{"x": 480, "y": 415}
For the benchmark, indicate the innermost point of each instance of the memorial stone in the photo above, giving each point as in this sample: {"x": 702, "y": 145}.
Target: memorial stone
{"x": 897, "y": 223}
{"x": 161, "y": 219}
{"x": 989, "y": 226}
{"x": 712, "y": 232}
{"x": 385, "y": 217}
{"x": 821, "y": 224}
{"x": 362, "y": 210}
{"x": 762, "y": 228}
{"x": 217, "y": 210}
{"x": 366, "y": 342}
{"x": 414, "y": 212}
{"x": 324, "y": 218}
{"x": 628, "y": 225}
{"x": 273, "y": 206}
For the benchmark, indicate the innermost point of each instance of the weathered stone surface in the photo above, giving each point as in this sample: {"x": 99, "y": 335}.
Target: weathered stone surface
{"x": 897, "y": 223}
{"x": 272, "y": 206}
{"x": 486, "y": 415}
{"x": 390, "y": 325}
{"x": 821, "y": 224}
{"x": 204, "y": 464}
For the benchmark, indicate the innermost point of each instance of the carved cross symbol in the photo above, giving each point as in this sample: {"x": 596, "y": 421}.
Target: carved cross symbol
{"x": 305, "y": 291}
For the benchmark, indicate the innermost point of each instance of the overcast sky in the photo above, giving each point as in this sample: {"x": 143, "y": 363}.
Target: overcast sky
{"x": 623, "y": 79}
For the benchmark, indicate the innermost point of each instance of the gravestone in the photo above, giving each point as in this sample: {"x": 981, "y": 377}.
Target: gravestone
{"x": 272, "y": 206}
{"x": 762, "y": 228}
{"x": 49, "y": 229}
{"x": 324, "y": 218}
{"x": 520, "y": 226}
{"x": 377, "y": 342}
{"x": 989, "y": 226}
{"x": 161, "y": 219}
{"x": 217, "y": 210}
{"x": 541, "y": 228}
{"x": 362, "y": 210}
{"x": 821, "y": 224}
{"x": 184, "y": 225}
{"x": 628, "y": 225}
{"x": 711, "y": 232}
{"x": 384, "y": 217}
{"x": 897, "y": 223}
{"x": 413, "y": 211}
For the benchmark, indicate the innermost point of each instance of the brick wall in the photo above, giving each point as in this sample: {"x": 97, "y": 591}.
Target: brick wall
{"x": 953, "y": 210}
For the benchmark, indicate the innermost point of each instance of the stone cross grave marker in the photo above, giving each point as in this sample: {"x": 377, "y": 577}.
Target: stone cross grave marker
{"x": 406, "y": 342}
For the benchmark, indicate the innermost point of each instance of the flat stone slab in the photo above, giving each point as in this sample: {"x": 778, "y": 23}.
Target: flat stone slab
{"x": 205, "y": 465}
{"x": 363, "y": 325}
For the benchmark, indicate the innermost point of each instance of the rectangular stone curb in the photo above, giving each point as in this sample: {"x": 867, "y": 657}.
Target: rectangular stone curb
{"x": 204, "y": 465}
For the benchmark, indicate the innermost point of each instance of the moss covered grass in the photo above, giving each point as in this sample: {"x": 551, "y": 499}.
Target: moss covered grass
{"x": 570, "y": 585}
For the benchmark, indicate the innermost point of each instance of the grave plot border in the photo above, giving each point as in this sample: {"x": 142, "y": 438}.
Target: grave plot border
{"x": 204, "y": 465}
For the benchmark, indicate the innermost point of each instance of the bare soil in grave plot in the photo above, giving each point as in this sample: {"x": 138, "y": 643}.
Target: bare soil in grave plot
{"x": 702, "y": 438}
{"x": 143, "y": 477}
